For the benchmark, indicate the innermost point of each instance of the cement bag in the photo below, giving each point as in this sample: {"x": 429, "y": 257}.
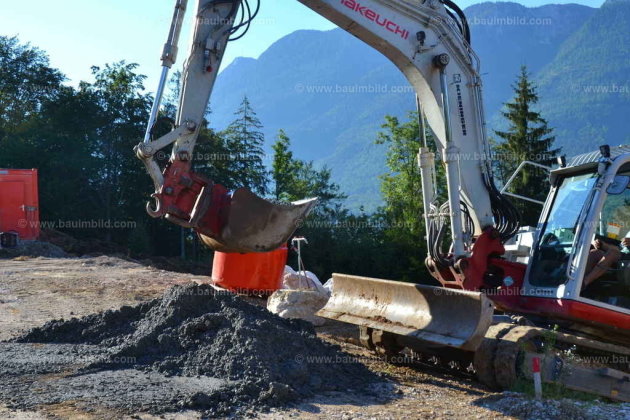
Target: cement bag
{"x": 304, "y": 280}
{"x": 300, "y": 304}
{"x": 291, "y": 280}
{"x": 288, "y": 270}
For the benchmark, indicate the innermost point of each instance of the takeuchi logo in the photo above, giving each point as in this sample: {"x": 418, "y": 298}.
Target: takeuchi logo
{"x": 373, "y": 16}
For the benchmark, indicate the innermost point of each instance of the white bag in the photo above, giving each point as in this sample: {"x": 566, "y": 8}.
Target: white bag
{"x": 304, "y": 280}
{"x": 301, "y": 304}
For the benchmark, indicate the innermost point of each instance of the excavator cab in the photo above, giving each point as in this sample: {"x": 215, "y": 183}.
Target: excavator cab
{"x": 579, "y": 257}
{"x": 557, "y": 238}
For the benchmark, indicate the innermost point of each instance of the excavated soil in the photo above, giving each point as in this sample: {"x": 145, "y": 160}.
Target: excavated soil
{"x": 85, "y": 381}
{"x": 33, "y": 249}
{"x": 241, "y": 358}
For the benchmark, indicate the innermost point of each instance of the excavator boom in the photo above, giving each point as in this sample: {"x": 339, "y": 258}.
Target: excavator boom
{"x": 228, "y": 222}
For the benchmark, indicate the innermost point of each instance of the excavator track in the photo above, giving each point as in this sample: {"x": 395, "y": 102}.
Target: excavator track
{"x": 505, "y": 356}
{"x": 576, "y": 362}
{"x": 483, "y": 361}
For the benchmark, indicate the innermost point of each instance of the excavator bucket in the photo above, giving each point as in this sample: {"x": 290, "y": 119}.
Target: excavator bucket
{"x": 433, "y": 315}
{"x": 253, "y": 224}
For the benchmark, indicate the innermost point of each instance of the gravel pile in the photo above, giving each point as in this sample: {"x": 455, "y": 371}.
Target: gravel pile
{"x": 522, "y": 407}
{"x": 33, "y": 249}
{"x": 256, "y": 359}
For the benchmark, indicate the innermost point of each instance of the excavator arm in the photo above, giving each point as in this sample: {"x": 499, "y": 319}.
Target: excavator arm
{"x": 228, "y": 222}
{"x": 427, "y": 40}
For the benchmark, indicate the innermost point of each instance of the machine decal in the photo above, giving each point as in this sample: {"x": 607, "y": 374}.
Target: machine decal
{"x": 460, "y": 107}
{"x": 370, "y": 14}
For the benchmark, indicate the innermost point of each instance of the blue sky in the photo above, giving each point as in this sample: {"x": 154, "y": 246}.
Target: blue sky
{"x": 80, "y": 33}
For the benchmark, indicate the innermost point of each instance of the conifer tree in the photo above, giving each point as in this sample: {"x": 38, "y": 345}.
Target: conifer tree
{"x": 527, "y": 138}
{"x": 296, "y": 179}
{"x": 284, "y": 168}
{"x": 245, "y": 141}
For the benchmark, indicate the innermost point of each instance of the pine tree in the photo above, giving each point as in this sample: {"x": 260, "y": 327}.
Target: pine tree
{"x": 527, "y": 138}
{"x": 295, "y": 179}
{"x": 284, "y": 167}
{"x": 245, "y": 141}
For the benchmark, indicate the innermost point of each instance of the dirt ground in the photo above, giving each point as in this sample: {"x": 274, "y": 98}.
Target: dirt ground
{"x": 35, "y": 290}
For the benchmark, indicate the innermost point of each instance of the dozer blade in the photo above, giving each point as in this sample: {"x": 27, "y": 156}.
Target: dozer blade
{"x": 434, "y": 315}
{"x": 254, "y": 224}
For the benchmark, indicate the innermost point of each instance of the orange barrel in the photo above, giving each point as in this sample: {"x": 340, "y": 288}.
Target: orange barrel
{"x": 255, "y": 272}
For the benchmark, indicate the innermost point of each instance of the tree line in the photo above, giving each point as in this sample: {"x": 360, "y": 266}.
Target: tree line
{"x": 81, "y": 140}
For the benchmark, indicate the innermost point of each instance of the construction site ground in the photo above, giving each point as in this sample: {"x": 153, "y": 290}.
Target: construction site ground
{"x": 36, "y": 290}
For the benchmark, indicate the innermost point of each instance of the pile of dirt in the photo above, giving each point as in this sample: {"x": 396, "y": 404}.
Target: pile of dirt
{"x": 79, "y": 247}
{"x": 33, "y": 249}
{"x": 94, "y": 247}
{"x": 195, "y": 331}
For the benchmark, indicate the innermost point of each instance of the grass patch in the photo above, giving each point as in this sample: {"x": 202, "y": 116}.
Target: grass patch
{"x": 553, "y": 391}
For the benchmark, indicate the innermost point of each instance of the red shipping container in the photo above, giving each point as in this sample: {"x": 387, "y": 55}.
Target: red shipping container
{"x": 260, "y": 273}
{"x": 19, "y": 202}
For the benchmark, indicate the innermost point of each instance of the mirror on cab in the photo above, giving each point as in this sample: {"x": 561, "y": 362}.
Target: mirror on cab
{"x": 619, "y": 185}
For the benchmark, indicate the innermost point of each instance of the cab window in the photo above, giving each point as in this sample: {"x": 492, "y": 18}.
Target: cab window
{"x": 557, "y": 238}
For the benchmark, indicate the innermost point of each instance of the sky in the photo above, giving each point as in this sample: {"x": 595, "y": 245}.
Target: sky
{"x": 77, "y": 34}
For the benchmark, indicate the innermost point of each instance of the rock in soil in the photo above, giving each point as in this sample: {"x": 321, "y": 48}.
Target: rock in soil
{"x": 194, "y": 347}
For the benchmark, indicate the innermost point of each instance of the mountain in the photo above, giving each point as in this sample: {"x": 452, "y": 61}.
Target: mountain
{"x": 294, "y": 86}
{"x": 330, "y": 92}
{"x": 508, "y": 35}
{"x": 585, "y": 89}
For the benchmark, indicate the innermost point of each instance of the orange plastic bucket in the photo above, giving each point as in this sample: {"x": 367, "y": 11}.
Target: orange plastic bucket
{"x": 260, "y": 273}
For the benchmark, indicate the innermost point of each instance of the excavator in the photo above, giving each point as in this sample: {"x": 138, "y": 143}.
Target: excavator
{"x": 513, "y": 301}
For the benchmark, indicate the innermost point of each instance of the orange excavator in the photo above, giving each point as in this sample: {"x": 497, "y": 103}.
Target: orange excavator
{"x": 557, "y": 294}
